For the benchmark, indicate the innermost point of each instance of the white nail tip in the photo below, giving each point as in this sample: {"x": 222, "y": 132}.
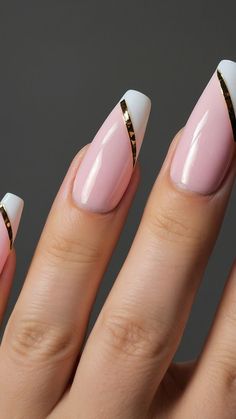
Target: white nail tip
{"x": 13, "y": 205}
{"x": 227, "y": 69}
{"x": 139, "y": 107}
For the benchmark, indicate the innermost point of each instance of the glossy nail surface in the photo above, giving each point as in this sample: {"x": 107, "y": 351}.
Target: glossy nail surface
{"x": 11, "y": 207}
{"x": 107, "y": 167}
{"x": 206, "y": 148}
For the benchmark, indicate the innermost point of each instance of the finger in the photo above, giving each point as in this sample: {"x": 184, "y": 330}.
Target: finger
{"x": 140, "y": 325}
{"x": 46, "y": 330}
{"x": 6, "y": 278}
{"x": 11, "y": 208}
{"x": 215, "y": 375}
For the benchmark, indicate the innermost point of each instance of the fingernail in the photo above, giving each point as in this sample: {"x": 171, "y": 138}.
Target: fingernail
{"x": 207, "y": 145}
{"x": 107, "y": 167}
{"x": 11, "y": 207}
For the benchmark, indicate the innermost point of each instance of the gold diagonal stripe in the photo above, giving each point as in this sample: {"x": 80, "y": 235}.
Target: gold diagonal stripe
{"x": 229, "y": 103}
{"x": 130, "y": 128}
{"x": 7, "y": 224}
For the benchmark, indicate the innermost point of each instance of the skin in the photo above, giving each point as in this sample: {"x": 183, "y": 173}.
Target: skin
{"x": 124, "y": 370}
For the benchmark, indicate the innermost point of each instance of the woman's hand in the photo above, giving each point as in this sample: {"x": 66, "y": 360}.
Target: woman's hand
{"x": 125, "y": 369}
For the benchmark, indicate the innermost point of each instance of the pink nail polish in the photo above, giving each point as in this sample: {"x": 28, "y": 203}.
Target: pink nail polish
{"x": 106, "y": 169}
{"x": 11, "y": 208}
{"x": 206, "y": 148}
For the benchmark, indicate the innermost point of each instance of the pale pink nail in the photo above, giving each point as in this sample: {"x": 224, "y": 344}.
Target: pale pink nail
{"x": 206, "y": 148}
{"x": 11, "y": 207}
{"x": 107, "y": 167}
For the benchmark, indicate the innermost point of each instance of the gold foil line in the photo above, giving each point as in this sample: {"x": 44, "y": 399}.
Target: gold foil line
{"x": 229, "y": 103}
{"x": 130, "y": 128}
{"x": 7, "y": 224}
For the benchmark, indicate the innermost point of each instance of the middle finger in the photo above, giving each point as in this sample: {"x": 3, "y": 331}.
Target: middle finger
{"x": 142, "y": 321}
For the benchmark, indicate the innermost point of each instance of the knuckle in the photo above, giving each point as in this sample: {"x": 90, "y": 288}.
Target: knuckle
{"x": 70, "y": 250}
{"x": 131, "y": 337}
{"x": 169, "y": 225}
{"x": 37, "y": 341}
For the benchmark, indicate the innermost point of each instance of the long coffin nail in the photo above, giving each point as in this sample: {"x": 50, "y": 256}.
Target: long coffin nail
{"x": 107, "y": 167}
{"x": 206, "y": 148}
{"x": 11, "y": 207}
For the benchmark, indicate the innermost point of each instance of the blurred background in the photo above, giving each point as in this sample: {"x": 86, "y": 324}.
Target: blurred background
{"x": 64, "y": 65}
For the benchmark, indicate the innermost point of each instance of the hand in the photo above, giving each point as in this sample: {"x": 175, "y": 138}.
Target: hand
{"x": 125, "y": 368}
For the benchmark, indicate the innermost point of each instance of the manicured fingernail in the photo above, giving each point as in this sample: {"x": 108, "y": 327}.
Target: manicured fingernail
{"x": 11, "y": 207}
{"x": 207, "y": 145}
{"x": 107, "y": 167}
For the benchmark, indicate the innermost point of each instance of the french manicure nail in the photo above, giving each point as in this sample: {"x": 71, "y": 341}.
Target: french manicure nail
{"x": 11, "y": 207}
{"x": 107, "y": 167}
{"x": 206, "y": 147}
